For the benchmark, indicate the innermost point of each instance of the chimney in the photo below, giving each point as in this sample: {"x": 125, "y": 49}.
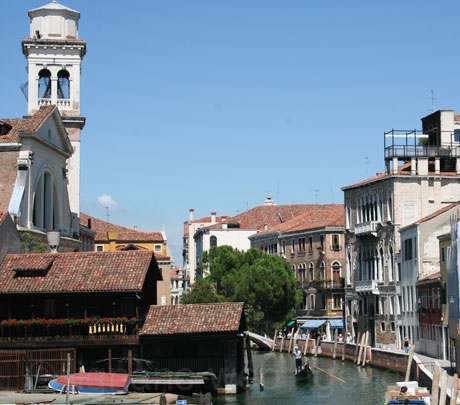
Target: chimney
{"x": 265, "y": 227}
{"x": 54, "y": 239}
{"x": 213, "y": 216}
{"x": 89, "y": 223}
{"x": 191, "y": 214}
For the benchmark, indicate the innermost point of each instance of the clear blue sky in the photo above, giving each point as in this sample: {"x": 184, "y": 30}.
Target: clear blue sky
{"x": 211, "y": 104}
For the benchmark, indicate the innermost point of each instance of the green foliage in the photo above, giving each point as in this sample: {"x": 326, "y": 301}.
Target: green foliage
{"x": 266, "y": 284}
{"x": 203, "y": 292}
{"x": 31, "y": 243}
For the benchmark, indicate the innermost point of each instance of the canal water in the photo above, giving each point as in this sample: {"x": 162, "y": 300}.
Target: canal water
{"x": 364, "y": 385}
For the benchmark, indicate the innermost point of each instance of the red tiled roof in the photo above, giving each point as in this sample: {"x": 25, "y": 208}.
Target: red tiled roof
{"x": 159, "y": 257}
{"x": 431, "y": 277}
{"x": 3, "y": 216}
{"x": 272, "y": 215}
{"x": 193, "y": 318}
{"x": 208, "y": 219}
{"x": 124, "y": 234}
{"x": 75, "y": 272}
{"x": 26, "y": 124}
{"x": 432, "y": 215}
{"x": 456, "y": 117}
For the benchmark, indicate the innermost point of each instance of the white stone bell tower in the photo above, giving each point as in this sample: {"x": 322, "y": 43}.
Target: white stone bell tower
{"x": 54, "y": 54}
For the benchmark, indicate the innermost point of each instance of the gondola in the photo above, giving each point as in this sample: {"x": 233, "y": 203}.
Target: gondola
{"x": 305, "y": 374}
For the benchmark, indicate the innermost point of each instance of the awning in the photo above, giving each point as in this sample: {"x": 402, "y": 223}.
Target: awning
{"x": 291, "y": 323}
{"x": 313, "y": 324}
{"x": 336, "y": 323}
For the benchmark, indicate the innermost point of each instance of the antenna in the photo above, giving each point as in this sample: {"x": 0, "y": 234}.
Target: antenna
{"x": 316, "y": 191}
{"x": 366, "y": 162}
{"x": 108, "y": 212}
{"x": 432, "y": 100}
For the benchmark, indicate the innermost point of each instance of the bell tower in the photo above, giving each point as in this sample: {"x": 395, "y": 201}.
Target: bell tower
{"x": 54, "y": 54}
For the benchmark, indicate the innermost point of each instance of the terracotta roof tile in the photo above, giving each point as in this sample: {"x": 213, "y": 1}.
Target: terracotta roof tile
{"x": 193, "y": 318}
{"x": 30, "y": 124}
{"x": 431, "y": 277}
{"x": 3, "y": 216}
{"x": 124, "y": 234}
{"x": 75, "y": 272}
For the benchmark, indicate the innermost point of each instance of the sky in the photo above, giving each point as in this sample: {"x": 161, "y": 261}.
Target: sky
{"x": 211, "y": 104}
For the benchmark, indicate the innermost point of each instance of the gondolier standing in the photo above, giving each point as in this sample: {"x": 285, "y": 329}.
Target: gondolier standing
{"x": 298, "y": 359}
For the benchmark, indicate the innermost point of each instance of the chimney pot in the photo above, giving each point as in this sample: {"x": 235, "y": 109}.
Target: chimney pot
{"x": 54, "y": 239}
{"x": 191, "y": 214}
{"x": 89, "y": 223}
{"x": 213, "y": 216}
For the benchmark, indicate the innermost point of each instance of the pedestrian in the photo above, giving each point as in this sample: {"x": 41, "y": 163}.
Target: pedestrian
{"x": 406, "y": 344}
{"x": 349, "y": 337}
{"x": 298, "y": 359}
{"x": 340, "y": 339}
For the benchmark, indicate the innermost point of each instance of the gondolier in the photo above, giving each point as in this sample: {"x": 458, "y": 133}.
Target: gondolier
{"x": 298, "y": 359}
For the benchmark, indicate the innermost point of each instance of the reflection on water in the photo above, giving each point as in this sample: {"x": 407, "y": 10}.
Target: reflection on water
{"x": 364, "y": 385}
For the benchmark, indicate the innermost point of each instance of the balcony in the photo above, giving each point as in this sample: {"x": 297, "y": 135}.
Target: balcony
{"x": 45, "y": 332}
{"x": 63, "y": 103}
{"x": 366, "y": 286}
{"x": 367, "y": 228}
{"x": 324, "y": 284}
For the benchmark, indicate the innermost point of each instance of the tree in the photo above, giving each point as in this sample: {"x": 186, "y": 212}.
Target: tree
{"x": 266, "y": 284}
{"x": 202, "y": 292}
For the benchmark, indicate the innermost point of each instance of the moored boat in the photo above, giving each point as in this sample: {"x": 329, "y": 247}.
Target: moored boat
{"x": 93, "y": 383}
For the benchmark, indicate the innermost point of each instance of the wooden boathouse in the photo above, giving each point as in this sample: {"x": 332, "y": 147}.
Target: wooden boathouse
{"x": 91, "y": 304}
{"x": 198, "y": 338}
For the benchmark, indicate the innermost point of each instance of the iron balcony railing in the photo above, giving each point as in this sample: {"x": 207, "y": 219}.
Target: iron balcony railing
{"x": 324, "y": 284}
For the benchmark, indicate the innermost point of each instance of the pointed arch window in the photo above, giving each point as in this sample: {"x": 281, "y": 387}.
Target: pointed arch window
{"x": 336, "y": 272}
{"x": 63, "y": 84}
{"x": 322, "y": 271}
{"x": 311, "y": 271}
{"x": 44, "y": 84}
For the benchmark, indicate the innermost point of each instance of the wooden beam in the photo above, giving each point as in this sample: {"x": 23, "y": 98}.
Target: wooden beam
{"x": 356, "y": 348}
{"x": 409, "y": 362}
{"x": 305, "y": 349}
{"x": 435, "y": 386}
{"x": 443, "y": 394}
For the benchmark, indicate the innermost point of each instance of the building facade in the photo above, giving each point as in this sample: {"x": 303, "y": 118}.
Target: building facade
{"x": 421, "y": 176}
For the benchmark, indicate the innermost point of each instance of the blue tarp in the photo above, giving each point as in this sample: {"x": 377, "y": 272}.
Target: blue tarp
{"x": 336, "y": 323}
{"x": 312, "y": 324}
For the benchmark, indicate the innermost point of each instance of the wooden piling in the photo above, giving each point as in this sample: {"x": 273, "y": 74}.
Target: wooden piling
{"x": 435, "y": 386}
{"x": 249, "y": 355}
{"x": 316, "y": 346}
{"x": 130, "y": 361}
{"x": 442, "y": 395}
{"x": 356, "y": 348}
{"x": 361, "y": 348}
{"x": 109, "y": 356}
{"x": 67, "y": 385}
{"x": 274, "y": 340}
{"x": 334, "y": 352}
{"x": 305, "y": 349}
{"x": 454, "y": 392}
{"x": 409, "y": 362}
{"x": 290, "y": 340}
{"x": 295, "y": 339}
{"x": 366, "y": 343}
{"x": 261, "y": 379}
{"x": 282, "y": 344}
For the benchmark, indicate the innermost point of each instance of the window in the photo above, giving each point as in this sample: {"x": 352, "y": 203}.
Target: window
{"x": 443, "y": 259}
{"x": 312, "y": 301}
{"x": 63, "y": 84}
{"x": 457, "y": 135}
{"x": 335, "y": 241}
{"x": 311, "y": 271}
{"x": 310, "y": 243}
{"x": 99, "y": 248}
{"x": 322, "y": 271}
{"x": 323, "y": 301}
{"x": 44, "y": 84}
{"x": 283, "y": 247}
{"x": 408, "y": 255}
{"x": 157, "y": 248}
{"x": 382, "y": 326}
{"x": 321, "y": 241}
{"x": 301, "y": 244}
{"x": 393, "y": 326}
{"x": 292, "y": 246}
{"x": 336, "y": 301}
{"x": 212, "y": 241}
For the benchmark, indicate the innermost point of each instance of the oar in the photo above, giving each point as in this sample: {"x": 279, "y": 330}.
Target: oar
{"x": 327, "y": 372}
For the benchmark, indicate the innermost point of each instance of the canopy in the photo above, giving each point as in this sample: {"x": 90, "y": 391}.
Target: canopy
{"x": 291, "y": 323}
{"x": 313, "y": 324}
{"x": 336, "y": 323}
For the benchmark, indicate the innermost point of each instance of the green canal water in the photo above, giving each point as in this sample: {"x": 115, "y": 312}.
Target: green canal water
{"x": 364, "y": 385}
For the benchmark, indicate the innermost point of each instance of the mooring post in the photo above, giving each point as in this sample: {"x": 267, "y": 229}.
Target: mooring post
{"x": 290, "y": 340}
{"x": 249, "y": 355}
{"x": 443, "y": 394}
{"x": 274, "y": 340}
{"x": 295, "y": 339}
{"x": 334, "y": 352}
{"x": 163, "y": 400}
{"x": 67, "y": 385}
{"x": 282, "y": 344}
{"x": 317, "y": 346}
{"x": 361, "y": 348}
{"x": 454, "y": 393}
{"x": 435, "y": 386}
{"x": 409, "y": 362}
{"x": 366, "y": 341}
{"x": 305, "y": 349}
{"x": 261, "y": 378}
{"x": 356, "y": 348}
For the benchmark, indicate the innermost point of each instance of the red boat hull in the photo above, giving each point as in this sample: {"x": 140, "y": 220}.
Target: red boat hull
{"x": 97, "y": 380}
